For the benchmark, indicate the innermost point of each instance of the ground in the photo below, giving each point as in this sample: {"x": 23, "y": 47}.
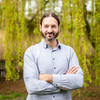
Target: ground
{"x": 10, "y": 86}
{"x": 6, "y": 87}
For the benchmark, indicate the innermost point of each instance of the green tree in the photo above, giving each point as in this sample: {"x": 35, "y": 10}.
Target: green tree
{"x": 97, "y": 44}
{"x": 15, "y": 32}
{"x": 79, "y": 29}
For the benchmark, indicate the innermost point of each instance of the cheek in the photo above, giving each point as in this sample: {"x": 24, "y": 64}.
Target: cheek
{"x": 56, "y": 31}
{"x": 44, "y": 30}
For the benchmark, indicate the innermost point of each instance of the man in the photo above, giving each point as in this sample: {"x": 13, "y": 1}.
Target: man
{"x": 51, "y": 69}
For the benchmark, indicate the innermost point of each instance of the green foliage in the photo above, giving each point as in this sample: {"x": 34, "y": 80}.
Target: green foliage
{"x": 97, "y": 44}
{"x": 12, "y": 96}
{"x": 15, "y": 32}
{"x": 77, "y": 38}
{"x": 73, "y": 33}
{"x": 0, "y": 16}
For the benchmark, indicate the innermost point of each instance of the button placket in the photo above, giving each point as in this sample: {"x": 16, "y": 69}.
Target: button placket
{"x": 53, "y": 58}
{"x": 53, "y": 96}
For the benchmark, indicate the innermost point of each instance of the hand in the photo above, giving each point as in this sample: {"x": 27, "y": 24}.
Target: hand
{"x": 72, "y": 70}
{"x": 46, "y": 77}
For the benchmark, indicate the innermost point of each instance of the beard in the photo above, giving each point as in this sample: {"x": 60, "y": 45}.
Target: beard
{"x": 55, "y": 35}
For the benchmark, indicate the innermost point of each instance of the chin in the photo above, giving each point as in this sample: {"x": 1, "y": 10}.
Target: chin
{"x": 49, "y": 39}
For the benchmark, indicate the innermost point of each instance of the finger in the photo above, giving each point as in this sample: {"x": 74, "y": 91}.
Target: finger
{"x": 70, "y": 69}
{"x": 74, "y": 69}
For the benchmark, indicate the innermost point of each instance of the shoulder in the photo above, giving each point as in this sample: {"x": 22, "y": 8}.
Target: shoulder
{"x": 32, "y": 49}
{"x": 67, "y": 48}
{"x": 69, "y": 51}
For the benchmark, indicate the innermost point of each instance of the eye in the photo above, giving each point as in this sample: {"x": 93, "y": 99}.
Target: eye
{"x": 46, "y": 26}
{"x": 53, "y": 26}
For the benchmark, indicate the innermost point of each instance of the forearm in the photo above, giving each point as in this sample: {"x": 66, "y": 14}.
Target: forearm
{"x": 63, "y": 81}
{"x": 46, "y": 77}
{"x": 68, "y": 81}
{"x": 35, "y": 86}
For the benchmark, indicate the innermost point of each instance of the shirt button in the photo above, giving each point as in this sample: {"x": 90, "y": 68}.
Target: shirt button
{"x": 53, "y": 96}
{"x": 53, "y": 58}
{"x": 54, "y": 67}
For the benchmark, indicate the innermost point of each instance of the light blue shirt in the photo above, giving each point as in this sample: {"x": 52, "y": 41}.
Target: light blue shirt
{"x": 40, "y": 58}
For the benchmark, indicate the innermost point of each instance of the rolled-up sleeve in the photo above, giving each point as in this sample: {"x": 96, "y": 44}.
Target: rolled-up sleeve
{"x": 31, "y": 74}
{"x": 70, "y": 81}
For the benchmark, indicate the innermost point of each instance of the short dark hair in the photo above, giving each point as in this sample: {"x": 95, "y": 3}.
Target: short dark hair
{"x": 48, "y": 15}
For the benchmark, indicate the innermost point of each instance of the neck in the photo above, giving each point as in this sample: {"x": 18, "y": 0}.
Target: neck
{"x": 53, "y": 44}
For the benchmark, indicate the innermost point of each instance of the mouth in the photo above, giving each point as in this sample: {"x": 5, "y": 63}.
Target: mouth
{"x": 50, "y": 33}
{"x": 49, "y": 36}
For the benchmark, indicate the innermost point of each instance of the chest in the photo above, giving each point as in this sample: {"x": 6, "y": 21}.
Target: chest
{"x": 53, "y": 62}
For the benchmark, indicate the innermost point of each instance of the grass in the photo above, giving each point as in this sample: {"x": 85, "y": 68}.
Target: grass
{"x": 89, "y": 94}
{"x": 85, "y": 95}
{"x": 76, "y": 95}
{"x": 12, "y": 95}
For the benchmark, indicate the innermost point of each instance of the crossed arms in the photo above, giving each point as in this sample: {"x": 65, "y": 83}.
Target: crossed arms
{"x": 49, "y": 77}
{"x": 49, "y": 83}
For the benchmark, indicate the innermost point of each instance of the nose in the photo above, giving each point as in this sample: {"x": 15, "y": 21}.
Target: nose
{"x": 49, "y": 29}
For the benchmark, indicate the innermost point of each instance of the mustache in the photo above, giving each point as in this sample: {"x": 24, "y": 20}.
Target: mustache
{"x": 49, "y": 33}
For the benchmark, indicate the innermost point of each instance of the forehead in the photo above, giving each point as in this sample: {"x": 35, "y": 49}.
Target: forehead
{"x": 49, "y": 20}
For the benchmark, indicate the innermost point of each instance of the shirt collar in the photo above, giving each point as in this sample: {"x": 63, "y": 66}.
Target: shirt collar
{"x": 59, "y": 44}
{"x": 45, "y": 45}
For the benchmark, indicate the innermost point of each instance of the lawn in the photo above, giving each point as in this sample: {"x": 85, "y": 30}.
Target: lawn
{"x": 10, "y": 90}
{"x": 13, "y": 96}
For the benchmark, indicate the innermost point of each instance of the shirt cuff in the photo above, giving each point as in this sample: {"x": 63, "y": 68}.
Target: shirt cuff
{"x": 56, "y": 80}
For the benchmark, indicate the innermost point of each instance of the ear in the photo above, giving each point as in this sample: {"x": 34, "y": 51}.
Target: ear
{"x": 59, "y": 28}
{"x": 40, "y": 28}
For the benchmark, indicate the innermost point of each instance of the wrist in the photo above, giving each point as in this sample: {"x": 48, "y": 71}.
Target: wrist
{"x": 46, "y": 77}
{"x": 49, "y": 78}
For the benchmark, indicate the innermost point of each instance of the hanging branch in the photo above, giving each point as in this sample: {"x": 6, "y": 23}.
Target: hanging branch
{"x": 15, "y": 32}
{"x": 97, "y": 44}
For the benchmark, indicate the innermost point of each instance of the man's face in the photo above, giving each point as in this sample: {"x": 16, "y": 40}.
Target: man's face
{"x": 49, "y": 29}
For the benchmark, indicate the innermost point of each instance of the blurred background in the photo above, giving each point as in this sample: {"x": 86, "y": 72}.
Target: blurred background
{"x": 19, "y": 29}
